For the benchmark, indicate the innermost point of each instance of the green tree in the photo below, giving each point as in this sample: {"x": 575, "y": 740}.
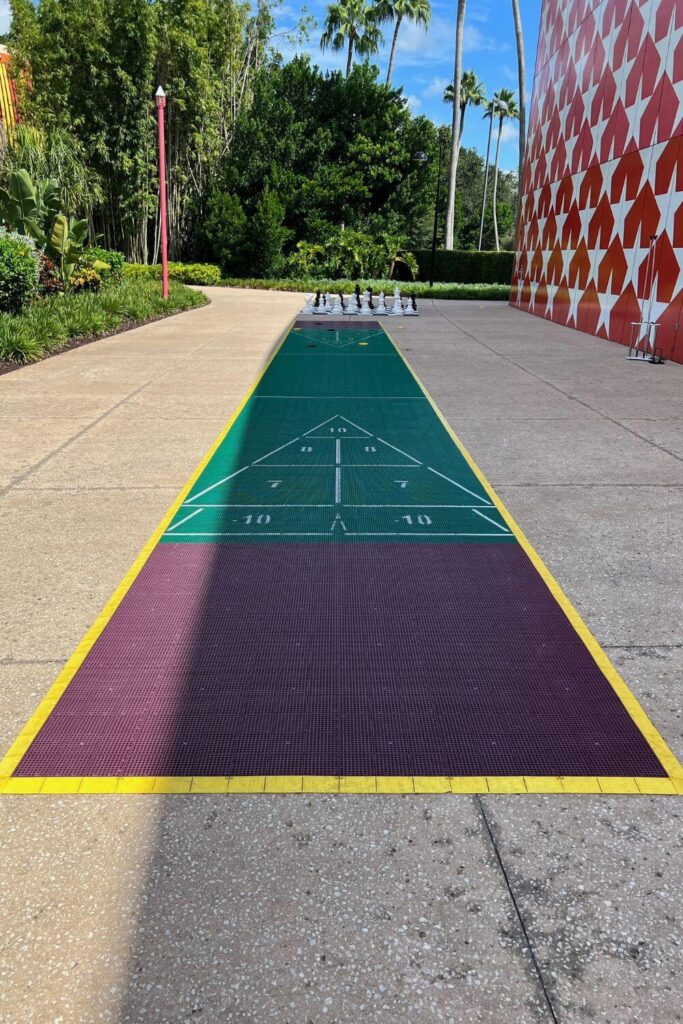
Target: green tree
{"x": 266, "y": 236}
{"x": 398, "y": 11}
{"x": 352, "y": 25}
{"x": 225, "y": 231}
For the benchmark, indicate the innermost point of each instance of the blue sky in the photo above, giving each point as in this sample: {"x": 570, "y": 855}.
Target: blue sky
{"x": 424, "y": 62}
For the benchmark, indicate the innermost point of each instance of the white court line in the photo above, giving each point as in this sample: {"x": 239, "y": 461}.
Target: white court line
{"x": 466, "y": 489}
{"x": 191, "y": 516}
{"x": 223, "y": 481}
{"x": 347, "y": 465}
{"x": 398, "y": 450}
{"x": 407, "y": 534}
{"x": 337, "y": 486}
{"x": 264, "y": 533}
{"x": 338, "y": 451}
{"x": 276, "y": 450}
{"x": 259, "y": 504}
{"x": 489, "y": 520}
{"x": 472, "y": 507}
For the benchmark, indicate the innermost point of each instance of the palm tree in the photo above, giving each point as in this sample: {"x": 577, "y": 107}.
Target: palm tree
{"x": 398, "y": 11}
{"x": 352, "y": 24}
{"x": 521, "y": 68}
{"x": 506, "y": 106}
{"x": 472, "y": 93}
{"x": 490, "y": 113}
{"x": 455, "y": 132}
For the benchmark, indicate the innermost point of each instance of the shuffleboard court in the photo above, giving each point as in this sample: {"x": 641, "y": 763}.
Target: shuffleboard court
{"x": 339, "y": 601}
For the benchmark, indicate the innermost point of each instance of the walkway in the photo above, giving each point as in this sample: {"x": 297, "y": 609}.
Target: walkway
{"x": 454, "y": 906}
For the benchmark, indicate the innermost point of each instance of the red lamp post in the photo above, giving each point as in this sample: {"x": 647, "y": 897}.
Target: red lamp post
{"x": 161, "y": 107}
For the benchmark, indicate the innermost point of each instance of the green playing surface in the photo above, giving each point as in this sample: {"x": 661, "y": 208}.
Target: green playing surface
{"x": 338, "y": 443}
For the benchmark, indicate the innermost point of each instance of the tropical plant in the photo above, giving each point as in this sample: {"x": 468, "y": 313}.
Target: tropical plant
{"x": 64, "y": 243}
{"x": 398, "y": 11}
{"x": 352, "y": 25}
{"x": 86, "y": 279}
{"x": 472, "y": 93}
{"x": 455, "y": 130}
{"x": 521, "y": 69}
{"x": 28, "y": 208}
{"x": 56, "y": 156}
{"x": 506, "y": 107}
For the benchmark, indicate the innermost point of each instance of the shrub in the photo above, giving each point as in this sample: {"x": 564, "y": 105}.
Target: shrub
{"x": 465, "y": 266}
{"x": 85, "y": 280}
{"x": 186, "y": 273}
{"x": 440, "y": 290}
{"x": 19, "y": 271}
{"x": 49, "y": 281}
{"x": 114, "y": 262}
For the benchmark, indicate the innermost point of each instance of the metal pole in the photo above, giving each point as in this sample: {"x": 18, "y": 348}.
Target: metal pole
{"x": 436, "y": 214}
{"x": 161, "y": 106}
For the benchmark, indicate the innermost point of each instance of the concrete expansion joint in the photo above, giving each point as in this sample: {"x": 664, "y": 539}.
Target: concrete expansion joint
{"x": 490, "y": 833}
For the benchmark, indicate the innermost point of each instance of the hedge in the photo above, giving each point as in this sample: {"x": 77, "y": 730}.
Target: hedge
{"x": 186, "y": 273}
{"x": 463, "y": 266}
{"x": 440, "y": 290}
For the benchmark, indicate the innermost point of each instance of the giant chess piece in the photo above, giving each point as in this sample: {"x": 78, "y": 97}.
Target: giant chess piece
{"x": 338, "y": 308}
{"x": 411, "y": 306}
{"x": 365, "y": 305}
{"x": 326, "y": 303}
{"x": 351, "y": 306}
{"x": 397, "y": 308}
{"x": 317, "y": 301}
{"x": 308, "y": 309}
{"x": 381, "y": 308}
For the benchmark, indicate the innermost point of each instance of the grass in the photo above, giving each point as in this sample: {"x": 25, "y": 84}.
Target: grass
{"x": 439, "y": 290}
{"x": 49, "y": 324}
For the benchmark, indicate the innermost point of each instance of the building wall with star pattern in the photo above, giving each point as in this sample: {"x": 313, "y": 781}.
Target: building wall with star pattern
{"x": 604, "y": 170}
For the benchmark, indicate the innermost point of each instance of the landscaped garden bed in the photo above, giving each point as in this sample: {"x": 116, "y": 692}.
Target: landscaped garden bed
{"x": 61, "y": 322}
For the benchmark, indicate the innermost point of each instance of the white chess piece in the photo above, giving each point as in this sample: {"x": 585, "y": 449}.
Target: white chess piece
{"x": 397, "y": 308}
{"x": 409, "y": 310}
{"x": 308, "y": 309}
{"x": 337, "y": 309}
{"x": 325, "y": 308}
{"x": 381, "y": 307}
{"x": 351, "y": 305}
{"x": 365, "y": 305}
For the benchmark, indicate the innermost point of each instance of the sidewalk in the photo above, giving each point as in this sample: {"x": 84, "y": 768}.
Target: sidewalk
{"x": 345, "y": 909}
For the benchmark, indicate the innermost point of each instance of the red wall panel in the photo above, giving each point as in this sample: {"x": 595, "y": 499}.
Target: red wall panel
{"x": 604, "y": 170}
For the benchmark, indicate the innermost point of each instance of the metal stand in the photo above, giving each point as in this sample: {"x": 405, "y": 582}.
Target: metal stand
{"x": 643, "y": 346}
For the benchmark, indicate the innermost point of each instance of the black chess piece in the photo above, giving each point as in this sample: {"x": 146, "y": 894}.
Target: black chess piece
{"x": 372, "y": 305}
{"x": 341, "y": 297}
{"x": 413, "y": 300}
{"x": 316, "y": 304}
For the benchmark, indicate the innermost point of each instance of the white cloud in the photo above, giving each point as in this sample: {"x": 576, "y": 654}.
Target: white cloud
{"x": 510, "y": 132}
{"x": 5, "y": 16}
{"x": 414, "y": 103}
{"x": 436, "y": 87}
{"x": 475, "y": 41}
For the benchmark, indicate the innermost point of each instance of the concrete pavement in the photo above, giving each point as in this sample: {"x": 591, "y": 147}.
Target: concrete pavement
{"x": 345, "y": 909}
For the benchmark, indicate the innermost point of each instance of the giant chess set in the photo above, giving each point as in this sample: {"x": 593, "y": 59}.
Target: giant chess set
{"x": 360, "y": 304}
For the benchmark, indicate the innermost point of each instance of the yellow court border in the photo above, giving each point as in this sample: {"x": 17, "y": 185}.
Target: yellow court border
{"x": 64, "y": 785}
